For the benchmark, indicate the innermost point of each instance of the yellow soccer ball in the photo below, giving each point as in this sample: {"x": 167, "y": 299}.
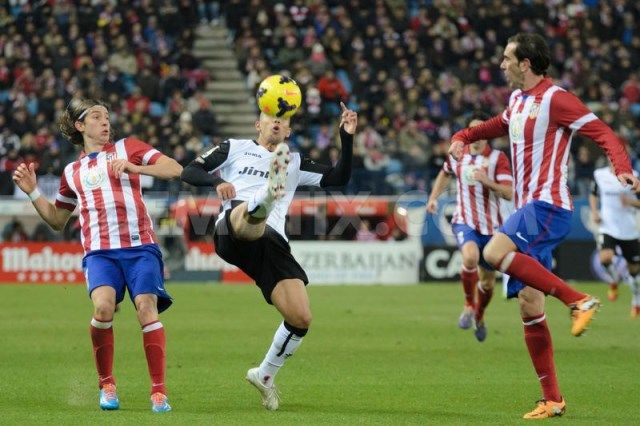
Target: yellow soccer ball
{"x": 279, "y": 96}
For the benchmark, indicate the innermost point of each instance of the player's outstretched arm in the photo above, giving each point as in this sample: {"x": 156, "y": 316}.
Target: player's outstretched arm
{"x": 164, "y": 168}
{"x": 440, "y": 184}
{"x": 493, "y": 128}
{"x": 198, "y": 172}
{"x": 25, "y": 178}
{"x": 341, "y": 173}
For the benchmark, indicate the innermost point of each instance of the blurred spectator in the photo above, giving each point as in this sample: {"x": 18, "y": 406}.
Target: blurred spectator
{"x": 14, "y": 232}
{"x": 364, "y": 232}
{"x": 398, "y": 62}
{"x": 43, "y": 233}
{"x": 433, "y": 62}
{"x": 583, "y": 169}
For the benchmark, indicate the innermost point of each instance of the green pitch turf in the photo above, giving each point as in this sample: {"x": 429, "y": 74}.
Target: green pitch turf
{"x": 375, "y": 355}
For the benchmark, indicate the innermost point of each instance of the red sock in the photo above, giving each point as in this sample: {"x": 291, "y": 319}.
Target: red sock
{"x": 102, "y": 339}
{"x": 484, "y": 297}
{"x": 538, "y": 340}
{"x": 154, "y": 348}
{"x": 469, "y": 280}
{"x": 532, "y": 273}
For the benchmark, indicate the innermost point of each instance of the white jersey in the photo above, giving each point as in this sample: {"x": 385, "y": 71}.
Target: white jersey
{"x": 246, "y": 167}
{"x": 618, "y": 220}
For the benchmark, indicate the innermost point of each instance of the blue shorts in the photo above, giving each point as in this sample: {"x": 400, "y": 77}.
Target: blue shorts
{"x": 139, "y": 269}
{"x": 536, "y": 229}
{"x": 465, "y": 233}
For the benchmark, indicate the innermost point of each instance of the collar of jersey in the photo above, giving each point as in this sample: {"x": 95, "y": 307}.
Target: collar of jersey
{"x": 539, "y": 88}
{"x": 91, "y": 154}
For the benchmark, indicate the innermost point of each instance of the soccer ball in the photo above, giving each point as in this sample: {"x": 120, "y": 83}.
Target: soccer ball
{"x": 279, "y": 96}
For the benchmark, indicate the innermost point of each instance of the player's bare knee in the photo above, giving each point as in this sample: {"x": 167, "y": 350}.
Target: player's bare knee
{"x": 487, "y": 284}
{"x": 298, "y": 326}
{"x": 606, "y": 257}
{"x": 492, "y": 256}
{"x": 146, "y": 309}
{"x": 469, "y": 263}
{"x": 103, "y": 310}
{"x": 531, "y": 302}
{"x": 301, "y": 320}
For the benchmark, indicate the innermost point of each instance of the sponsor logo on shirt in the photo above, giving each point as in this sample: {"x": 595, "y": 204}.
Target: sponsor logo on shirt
{"x": 250, "y": 171}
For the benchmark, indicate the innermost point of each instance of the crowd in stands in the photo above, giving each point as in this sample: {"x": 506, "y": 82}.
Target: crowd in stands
{"x": 416, "y": 69}
{"x": 136, "y": 55}
{"x": 413, "y": 69}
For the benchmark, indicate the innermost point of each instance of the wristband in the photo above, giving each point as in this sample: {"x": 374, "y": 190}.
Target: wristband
{"x": 34, "y": 195}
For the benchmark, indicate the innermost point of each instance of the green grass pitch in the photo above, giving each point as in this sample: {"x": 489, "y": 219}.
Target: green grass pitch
{"x": 375, "y": 355}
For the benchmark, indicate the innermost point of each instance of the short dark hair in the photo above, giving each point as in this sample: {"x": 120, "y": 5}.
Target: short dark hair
{"x": 534, "y": 48}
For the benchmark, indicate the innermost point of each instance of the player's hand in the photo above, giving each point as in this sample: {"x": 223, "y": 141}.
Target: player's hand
{"x": 432, "y": 206}
{"x": 595, "y": 215}
{"x": 226, "y": 191}
{"x": 121, "y": 166}
{"x": 25, "y": 177}
{"x": 348, "y": 119}
{"x": 480, "y": 174}
{"x": 455, "y": 149}
{"x": 629, "y": 179}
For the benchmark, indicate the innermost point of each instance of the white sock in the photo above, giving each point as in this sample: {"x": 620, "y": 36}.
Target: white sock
{"x": 613, "y": 273}
{"x": 261, "y": 204}
{"x": 635, "y": 290}
{"x": 285, "y": 343}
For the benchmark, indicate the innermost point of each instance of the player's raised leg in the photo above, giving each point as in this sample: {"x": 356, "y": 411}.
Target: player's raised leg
{"x": 249, "y": 219}
{"x": 291, "y": 299}
{"x": 104, "y": 305}
{"x": 501, "y": 253}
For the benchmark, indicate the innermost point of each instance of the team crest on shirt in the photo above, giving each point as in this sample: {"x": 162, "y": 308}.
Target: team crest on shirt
{"x": 93, "y": 177}
{"x": 467, "y": 174}
{"x": 533, "y": 112}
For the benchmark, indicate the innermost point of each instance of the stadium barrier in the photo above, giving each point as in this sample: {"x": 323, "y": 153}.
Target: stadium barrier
{"x": 427, "y": 254}
{"x": 572, "y": 260}
{"x": 326, "y": 262}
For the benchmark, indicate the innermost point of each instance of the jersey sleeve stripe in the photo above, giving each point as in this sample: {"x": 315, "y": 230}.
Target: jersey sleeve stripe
{"x": 66, "y": 200}
{"x": 66, "y": 206}
{"x": 576, "y": 125}
{"x": 149, "y": 155}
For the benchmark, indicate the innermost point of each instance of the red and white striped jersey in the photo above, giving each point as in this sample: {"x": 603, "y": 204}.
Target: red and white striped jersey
{"x": 541, "y": 123}
{"x": 476, "y": 205}
{"x": 112, "y": 212}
